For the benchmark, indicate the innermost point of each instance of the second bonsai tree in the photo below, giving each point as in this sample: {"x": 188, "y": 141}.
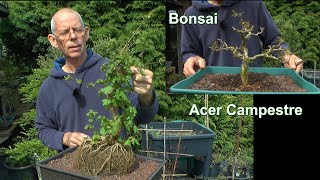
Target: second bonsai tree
{"x": 242, "y": 52}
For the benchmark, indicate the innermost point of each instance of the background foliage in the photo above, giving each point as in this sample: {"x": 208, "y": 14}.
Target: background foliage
{"x": 298, "y": 21}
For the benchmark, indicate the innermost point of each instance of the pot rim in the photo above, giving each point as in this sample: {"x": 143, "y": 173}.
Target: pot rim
{"x": 17, "y": 168}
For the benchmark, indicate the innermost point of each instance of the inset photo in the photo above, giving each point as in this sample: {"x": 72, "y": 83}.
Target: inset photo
{"x": 241, "y": 47}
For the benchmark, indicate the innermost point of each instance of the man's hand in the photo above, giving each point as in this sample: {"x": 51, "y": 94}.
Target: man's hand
{"x": 293, "y": 62}
{"x": 193, "y": 64}
{"x": 72, "y": 139}
{"x": 142, "y": 84}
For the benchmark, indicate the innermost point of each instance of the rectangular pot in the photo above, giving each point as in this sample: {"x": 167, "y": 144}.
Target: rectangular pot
{"x": 182, "y": 86}
{"x": 196, "y": 145}
{"x": 50, "y": 173}
{"x": 312, "y": 76}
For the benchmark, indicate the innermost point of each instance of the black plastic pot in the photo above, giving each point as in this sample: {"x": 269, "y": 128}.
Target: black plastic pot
{"x": 50, "y": 173}
{"x": 224, "y": 169}
{"x": 311, "y": 76}
{"x": 5, "y": 126}
{"x": 215, "y": 169}
{"x": 3, "y": 170}
{"x": 241, "y": 174}
{"x": 198, "y": 145}
{"x": 21, "y": 173}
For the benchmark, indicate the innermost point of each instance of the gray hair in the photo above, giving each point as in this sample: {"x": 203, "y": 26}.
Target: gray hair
{"x": 53, "y": 23}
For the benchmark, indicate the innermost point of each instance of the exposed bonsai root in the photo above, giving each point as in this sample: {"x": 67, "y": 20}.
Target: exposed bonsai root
{"x": 104, "y": 159}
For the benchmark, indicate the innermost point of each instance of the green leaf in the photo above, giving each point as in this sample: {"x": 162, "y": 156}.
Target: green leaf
{"x": 102, "y": 131}
{"x": 106, "y": 90}
{"x": 106, "y": 102}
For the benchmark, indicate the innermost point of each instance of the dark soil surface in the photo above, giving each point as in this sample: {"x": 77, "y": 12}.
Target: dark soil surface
{"x": 258, "y": 82}
{"x": 143, "y": 169}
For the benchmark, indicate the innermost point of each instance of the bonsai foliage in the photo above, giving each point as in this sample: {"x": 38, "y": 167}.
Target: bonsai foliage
{"x": 242, "y": 52}
{"x": 23, "y": 153}
{"x": 107, "y": 151}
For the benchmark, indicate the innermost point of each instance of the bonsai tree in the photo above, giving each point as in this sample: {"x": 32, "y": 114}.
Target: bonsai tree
{"x": 107, "y": 152}
{"x": 242, "y": 52}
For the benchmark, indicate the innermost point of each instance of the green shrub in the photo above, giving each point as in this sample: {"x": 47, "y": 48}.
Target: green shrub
{"x": 26, "y": 122}
{"x": 30, "y": 88}
{"x": 298, "y": 23}
{"x": 2, "y": 150}
{"x": 22, "y": 154}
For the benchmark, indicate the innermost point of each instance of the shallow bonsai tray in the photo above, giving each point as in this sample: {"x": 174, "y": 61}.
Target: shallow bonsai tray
{"x": 50, "y": 173}
{"x": 182, "y": 86}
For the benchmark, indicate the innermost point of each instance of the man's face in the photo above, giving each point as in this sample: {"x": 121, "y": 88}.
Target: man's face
{"x": 70, "y": 36}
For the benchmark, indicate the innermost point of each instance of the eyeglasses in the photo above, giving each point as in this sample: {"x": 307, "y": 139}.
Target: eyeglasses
{"x": 66, "y": 34}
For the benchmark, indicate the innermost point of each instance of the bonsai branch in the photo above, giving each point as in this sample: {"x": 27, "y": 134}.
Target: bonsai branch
{"x": 246, "y": 31}
{"x": 219, "y": 45}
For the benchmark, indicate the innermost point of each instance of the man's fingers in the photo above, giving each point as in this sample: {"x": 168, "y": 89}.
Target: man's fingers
{"x": 142, "y": 83}
{"x": 71, "y": 144}
{"x": 73, "y": 138}
{"x": 76, "y": 140}
{"x": 201, "y": 63}
{"x": 188, "y": 69}
{"x": 142, "y": 90}
{"x": 299, "y": 63}
{"x": 142, "y": 79}
{"x": 83, "y": 135}
{"x": 292, "y": 64}
{"x": 192, "y": 65}
{"x": 134, "y": 70}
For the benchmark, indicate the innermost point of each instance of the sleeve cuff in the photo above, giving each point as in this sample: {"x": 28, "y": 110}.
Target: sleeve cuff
{"x": 187, "y": 56}
{"x": 58, "y": 141}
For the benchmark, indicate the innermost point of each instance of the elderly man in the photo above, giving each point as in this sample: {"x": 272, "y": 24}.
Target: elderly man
{"x": 62, "y": 104}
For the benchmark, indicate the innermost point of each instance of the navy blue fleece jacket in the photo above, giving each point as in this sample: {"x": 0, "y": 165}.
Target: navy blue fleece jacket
{"x": 62, "y": 104}
{"x": 196, "y": 39}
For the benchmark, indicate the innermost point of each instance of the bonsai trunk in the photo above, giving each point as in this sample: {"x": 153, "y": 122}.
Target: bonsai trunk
{"x": 245, "y": 61}
{"x": 244, "y": 73}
